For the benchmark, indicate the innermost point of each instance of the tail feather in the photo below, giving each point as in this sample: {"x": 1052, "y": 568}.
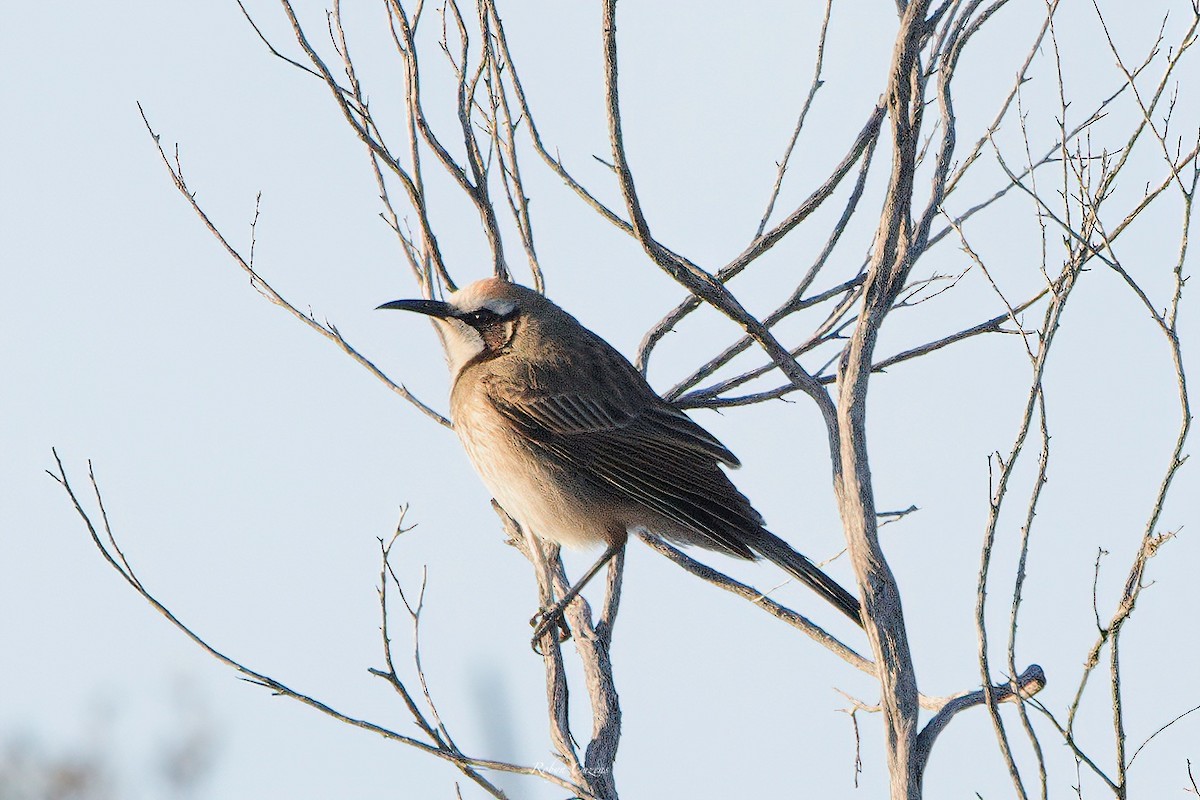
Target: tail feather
{"x": 780, "y": 553}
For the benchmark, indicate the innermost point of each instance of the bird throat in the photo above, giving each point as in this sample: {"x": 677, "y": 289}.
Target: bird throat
{"x": 496, "y": 336}
{"x": 476, "y": 344}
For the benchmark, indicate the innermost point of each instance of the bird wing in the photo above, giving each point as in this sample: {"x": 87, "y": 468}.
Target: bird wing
{"x": 621, "y": 435}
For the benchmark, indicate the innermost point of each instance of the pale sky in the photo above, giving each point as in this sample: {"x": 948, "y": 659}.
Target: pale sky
{"x": 249, "y": 467}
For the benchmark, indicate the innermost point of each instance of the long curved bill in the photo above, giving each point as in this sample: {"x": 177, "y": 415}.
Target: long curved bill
{"x": 432, "y": 308}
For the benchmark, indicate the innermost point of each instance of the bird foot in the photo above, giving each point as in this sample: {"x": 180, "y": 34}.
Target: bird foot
{"x": 546, "y": 621}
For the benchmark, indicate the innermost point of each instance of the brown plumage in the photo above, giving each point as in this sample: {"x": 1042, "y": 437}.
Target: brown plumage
{"x": 576, "y": 446}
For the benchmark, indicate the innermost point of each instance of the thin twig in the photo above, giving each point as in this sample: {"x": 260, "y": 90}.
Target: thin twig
{"x": 121, "y": 565}
{"x": 267, "y": 291}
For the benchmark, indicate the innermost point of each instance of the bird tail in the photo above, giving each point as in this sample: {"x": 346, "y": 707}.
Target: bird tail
{"x": 779, "y": 552}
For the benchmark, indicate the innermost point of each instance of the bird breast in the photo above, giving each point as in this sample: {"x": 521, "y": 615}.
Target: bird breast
{"x": 536, "y": 491}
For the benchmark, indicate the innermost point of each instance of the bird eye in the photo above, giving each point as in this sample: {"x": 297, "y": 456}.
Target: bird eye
{"x": 483, "y": 316}
{"x": 486, "y": 316}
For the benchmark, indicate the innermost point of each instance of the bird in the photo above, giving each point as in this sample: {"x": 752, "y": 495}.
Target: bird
{"x": 577, "y": 447}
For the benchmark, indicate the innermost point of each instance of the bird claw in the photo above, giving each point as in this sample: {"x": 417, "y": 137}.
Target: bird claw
{"x": 542, "y": 623}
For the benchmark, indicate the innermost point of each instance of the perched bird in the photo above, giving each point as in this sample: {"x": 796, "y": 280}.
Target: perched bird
{"x": 575, "y": 445}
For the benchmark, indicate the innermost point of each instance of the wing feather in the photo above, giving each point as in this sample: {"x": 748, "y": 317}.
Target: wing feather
{"x": 638, "y": 445}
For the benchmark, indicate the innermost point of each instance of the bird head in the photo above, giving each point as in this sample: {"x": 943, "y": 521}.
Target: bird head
{"x": 483, "y": 317}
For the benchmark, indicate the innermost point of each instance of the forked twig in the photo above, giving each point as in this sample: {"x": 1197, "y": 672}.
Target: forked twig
{"x": 117, "y": 560}
{"x": 266, "y": 290}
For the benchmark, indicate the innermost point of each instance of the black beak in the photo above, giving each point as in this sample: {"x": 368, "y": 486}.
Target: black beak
{"x": 433, "y": 308}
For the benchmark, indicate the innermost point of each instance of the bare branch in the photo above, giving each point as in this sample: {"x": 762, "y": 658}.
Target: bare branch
{"x": 592, "y": 642}
{"x": 813, "y": 88}
{"x": 886, "y": 275}
{"x": 328, "y": 331}
{"x": 796, "y": 620}
{"x": 862, "y": 148}
{"x": 121, "y": 565}
{"x": 1024, "y": 686}
{"x": 358, "y": 119}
